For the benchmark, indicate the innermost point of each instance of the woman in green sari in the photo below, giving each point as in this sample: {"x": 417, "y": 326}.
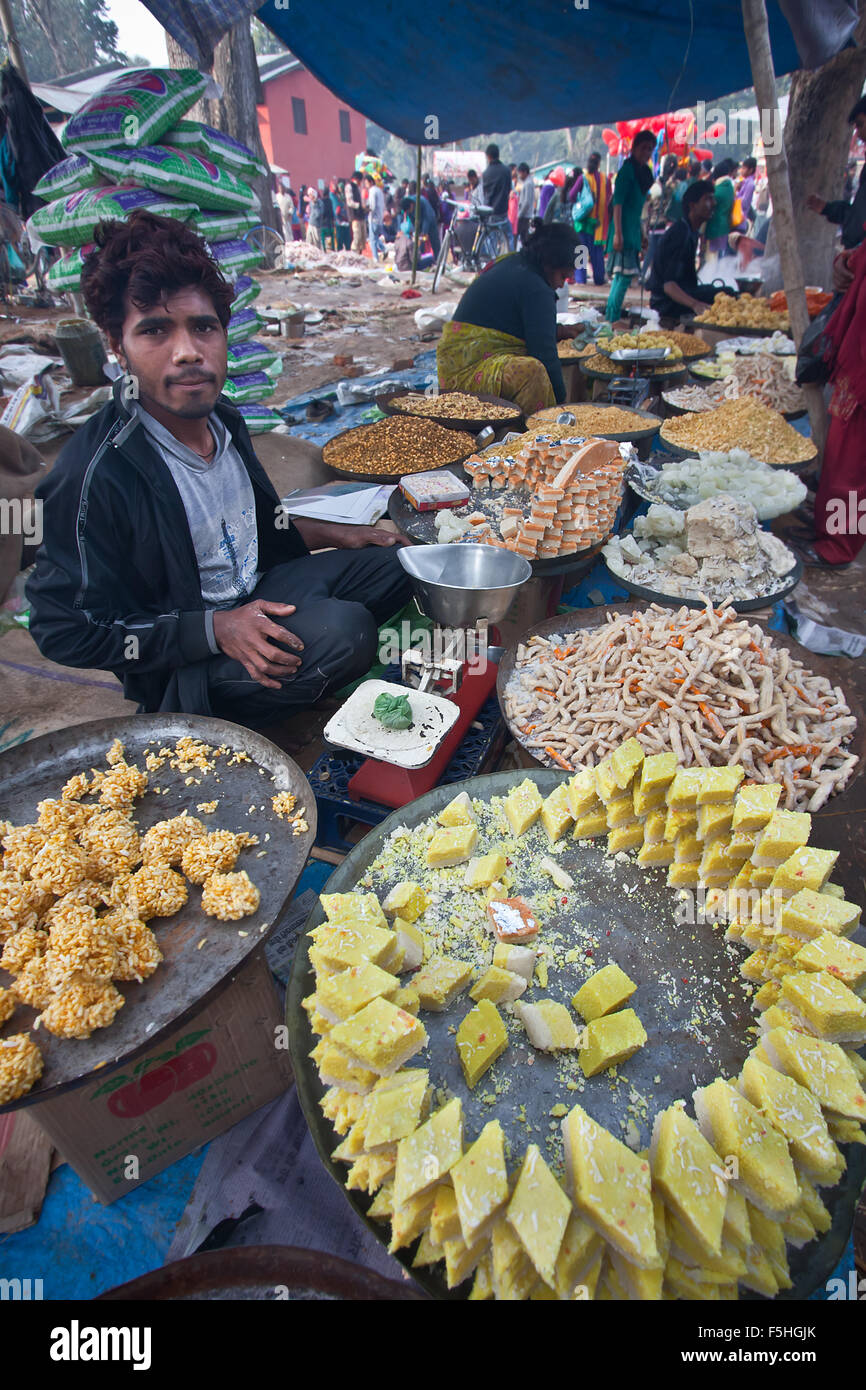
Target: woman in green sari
{"x": 625, "y": 239}
{"x": 502, "y": 338}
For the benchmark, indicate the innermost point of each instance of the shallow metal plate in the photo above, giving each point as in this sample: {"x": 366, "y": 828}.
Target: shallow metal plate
{"x": 741, "y": 605}
{"x": 188, "y": 978}
{"x": 674, "y": 966}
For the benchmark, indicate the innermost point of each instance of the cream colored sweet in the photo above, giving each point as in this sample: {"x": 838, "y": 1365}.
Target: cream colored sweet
{"x": 457, "y": 812}
{"x": 523, "y": 806}
{"x": 451, "y": 845}
{"x": 549, "y": 1025}
{"x": 485, "y": 869}
{"x": 380, "y": 1037}
{"x": 555, "y": 812}
{"x": 407, "y": 900}
{"x": 499, "y": 986}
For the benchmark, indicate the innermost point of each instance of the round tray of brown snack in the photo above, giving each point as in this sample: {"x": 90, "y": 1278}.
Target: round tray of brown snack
{"x": 634, "y": 436}
{"x": 596, "y": 372}
{"x": 441, "y": 448}
{"x": 690, "y": 999}
{"x": 512, "y": 420}
{"x": 581, "y": 618}
{"x": 187, "y": 979}
{"x": 420, "y": 527}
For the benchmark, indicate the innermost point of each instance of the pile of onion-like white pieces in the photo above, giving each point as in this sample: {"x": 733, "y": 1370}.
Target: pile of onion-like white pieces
{"x": 771, "y": 491}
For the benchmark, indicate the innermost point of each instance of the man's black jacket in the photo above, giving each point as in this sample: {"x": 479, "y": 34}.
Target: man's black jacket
{"x": 116, "y": 585}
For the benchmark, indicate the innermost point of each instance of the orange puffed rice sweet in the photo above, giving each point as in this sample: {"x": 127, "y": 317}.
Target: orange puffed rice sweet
{"x": 229, "y": 897}
{"x": 165, "y": 842}
{"x": 214, "y": 853}
{"x": 20, "y": 1066}
{"x": 79, "y": 1006}
{"x": 138, "y": 952}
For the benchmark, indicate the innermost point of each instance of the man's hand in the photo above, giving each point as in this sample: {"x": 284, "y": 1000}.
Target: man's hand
{"x": 248, "y": 635}
{"x": 323, "y": 535}
{"x": 842, "y": 273}
{"x": 815, "y": 204}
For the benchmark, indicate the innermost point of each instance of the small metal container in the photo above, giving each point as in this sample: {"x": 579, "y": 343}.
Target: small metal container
{"x": 457, "y": 585}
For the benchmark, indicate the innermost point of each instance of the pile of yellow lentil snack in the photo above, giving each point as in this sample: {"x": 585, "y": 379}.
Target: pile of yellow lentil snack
{"x": 78, "y": 887}
{"x": 711, "y": 1205}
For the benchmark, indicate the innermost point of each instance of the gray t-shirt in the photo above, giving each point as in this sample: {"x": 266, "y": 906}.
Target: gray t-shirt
{"x": 220, "y": 507}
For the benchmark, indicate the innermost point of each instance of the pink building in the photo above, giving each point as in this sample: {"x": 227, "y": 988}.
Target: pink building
{"x": 304, "y": 127}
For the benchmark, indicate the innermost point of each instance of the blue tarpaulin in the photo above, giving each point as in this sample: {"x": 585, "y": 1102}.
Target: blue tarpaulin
{"x": 462, "y": 66}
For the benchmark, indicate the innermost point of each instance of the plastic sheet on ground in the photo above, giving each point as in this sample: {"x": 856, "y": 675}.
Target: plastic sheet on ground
{"x": 346, "y": 416}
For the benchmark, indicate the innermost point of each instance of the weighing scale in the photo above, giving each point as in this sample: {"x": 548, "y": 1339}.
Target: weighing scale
{"x": 464, "y": 590}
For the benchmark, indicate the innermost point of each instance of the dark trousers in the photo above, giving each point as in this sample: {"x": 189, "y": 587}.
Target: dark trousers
{"x": 342, "y": 597}
{"x": 523, "y": 225}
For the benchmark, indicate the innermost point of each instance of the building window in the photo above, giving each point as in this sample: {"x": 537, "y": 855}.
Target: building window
{"x": 345, "y": 127}
{"x": 299, "y": 114}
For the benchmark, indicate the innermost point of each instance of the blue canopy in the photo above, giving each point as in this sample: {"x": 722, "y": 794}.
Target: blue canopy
{"x": 436, "y": 73}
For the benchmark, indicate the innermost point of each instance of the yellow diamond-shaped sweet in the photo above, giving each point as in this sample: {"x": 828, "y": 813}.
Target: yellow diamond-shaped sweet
{"x": 480, "y": 1183}
{"x": 795, "y": 1113}
{"x": 481, "y": 1038}
{"x": 425, "y": 1156}
{"x": 611, "y": 1187}
{"x": 538, "y": 1213}
{"x": 734, "y": 1128}
{"x": 689, "y": 1174}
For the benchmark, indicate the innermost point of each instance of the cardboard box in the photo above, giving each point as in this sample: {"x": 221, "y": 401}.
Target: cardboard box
{"x": 140, "y": 1117}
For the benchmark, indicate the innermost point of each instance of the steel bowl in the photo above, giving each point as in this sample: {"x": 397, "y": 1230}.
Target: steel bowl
{"x": 456, "y": 585}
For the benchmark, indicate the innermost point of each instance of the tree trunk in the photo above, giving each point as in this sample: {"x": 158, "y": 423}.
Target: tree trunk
{"x": 236, "y": 71}
{"x": 817, "y": 141}
{"x": 761, "y": 60}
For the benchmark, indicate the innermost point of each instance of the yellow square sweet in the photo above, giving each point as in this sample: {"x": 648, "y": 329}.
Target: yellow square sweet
{"x": 444, "y": 1218}
{"x": 684, "y": 875}
{"x": 484, "y": 870}
{"x": 611, "y": 1040}
{"x": 829, "y": 1007}
{"x": 481, "y": 1038}
{"x": 590, "y": 826}
{"x": 680, "y": 823}
{"x": 844, "y": 959}
{"x": 620, "y": 811}
{"x": 480, "y": 1183}
{"x": 556, "y": 814}
{"x": 353, "y": 909}
{"x": 719, "y": 784}
{"x": 457, "y": 812}
{"x": 499, "y": 986}
{"x": 808, "y": 914}
{"x": 682, "y": 794}
{"x": 538, "y": 1214}
{"x": 755, "y": 805}
{"x": 340, "y": 946}
{"x": 625, "y": 761}
{"x": 795, "y": 1113}
{"x": 654, "y": 827}
{"x": 518, "y": 959}
{"x": 440, "y": 980}
{"x": 611, "y": 1187}
{"x": 785, "y": 832}
{"x": 606, "y": 785}
{"x": 652, "y": 855}
{"x": 395, "y": 1108}
{"x": 344, "y": 994}
{"x": 514, "y": 1273}
{"x": 411, "y": 941}
{"x": 687, "y": 848}
{"x": 581, "y": 1248}
{"x": 549, "y": 1025}
{"x": 380, "y": 1037}
{"x": 605, "y": 991}
{"x": 406, "y": 901}
{"x": 409, "y": 1218}
{"x": 714, "y": 822}
{"x": 582, "y": 796}
{"x": 741, "y": 845}
{"x": 337, "y": 1068}
{"x": 688, "y": 1173}
{"x": 806, "y": 868}
{"x": 657, "y": 772}
{"x": 424, "y": 1157}
{"x": 451, "y": 845}
{"x": 625, "y": 837}
{"x": 523, "y": 806}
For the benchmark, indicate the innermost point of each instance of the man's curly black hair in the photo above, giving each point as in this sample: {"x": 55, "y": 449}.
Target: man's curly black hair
{"x": 141, "y": 262}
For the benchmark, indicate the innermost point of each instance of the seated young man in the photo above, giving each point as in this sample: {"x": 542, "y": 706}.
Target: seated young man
{"x": 167, "y": 557}
{"x": 673, "y": 280}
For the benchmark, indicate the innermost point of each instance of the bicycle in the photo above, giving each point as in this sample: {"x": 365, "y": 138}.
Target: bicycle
{"x": 477, "y": 242}
{"x": 269, "y": 244}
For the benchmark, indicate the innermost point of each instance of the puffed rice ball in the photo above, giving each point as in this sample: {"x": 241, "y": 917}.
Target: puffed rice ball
{"x": 80, "y": 1007}
{"x": 230, "y": 896}
{"x": 60, "y": 815}
{"x": 112, "y": 845}
{"x": 7, "y": 1005}
{"x": 35, "y": 986}
{"x": 214, "y": 853}
{"x": 155, "y": 891}
{"x": 21, "y": 947}
{"x": 20, "y": 1066}
{"x": 165, "y": 842}
{"x": 77, "y": 787}
{"x": 21, "y": 902}
{"x": 87, "y": 893}
{"x": 138, "y": 953}
{"x": 122, "y": 785}
{"x": 61, "y": 864}
{"x": 21, "y": 845}
{"x": 87, "y": 948}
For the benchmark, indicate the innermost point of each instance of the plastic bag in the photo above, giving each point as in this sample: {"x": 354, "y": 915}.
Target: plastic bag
{"x": 234, "y": 257}
{"x": 250, "y": 356}
{"x": 224, "y": 226}
{"x": 215, "y": 145}
{"x": 246, "y": 290}
{"x": 252, "y": 386}
{"x": 393, "y": 711}
{"x": 813, "y": 364}
{"x": 71, "y": 175}
{"x": 259, "y": 418}
{"x": 72, "y": 221}
{"x": 134, "y": 109}
{"x": 177, "y": 173}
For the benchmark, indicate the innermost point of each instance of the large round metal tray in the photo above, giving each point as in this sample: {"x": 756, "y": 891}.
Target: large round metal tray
{"x": 595, "y": 617}
{"x": 649, "y": 375}
{"x": 420, "y": 527}
{"x": 627, "y": 437}
{"x": 700, "y": 348}
{"x": 391, "y": 476}
{"x": 188, "y": 978}
{"x": 387, "y": 403}
{"x": 637, "y": 907}
{"x": 743, "y": 605}
{"x": 683, "y": 452}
